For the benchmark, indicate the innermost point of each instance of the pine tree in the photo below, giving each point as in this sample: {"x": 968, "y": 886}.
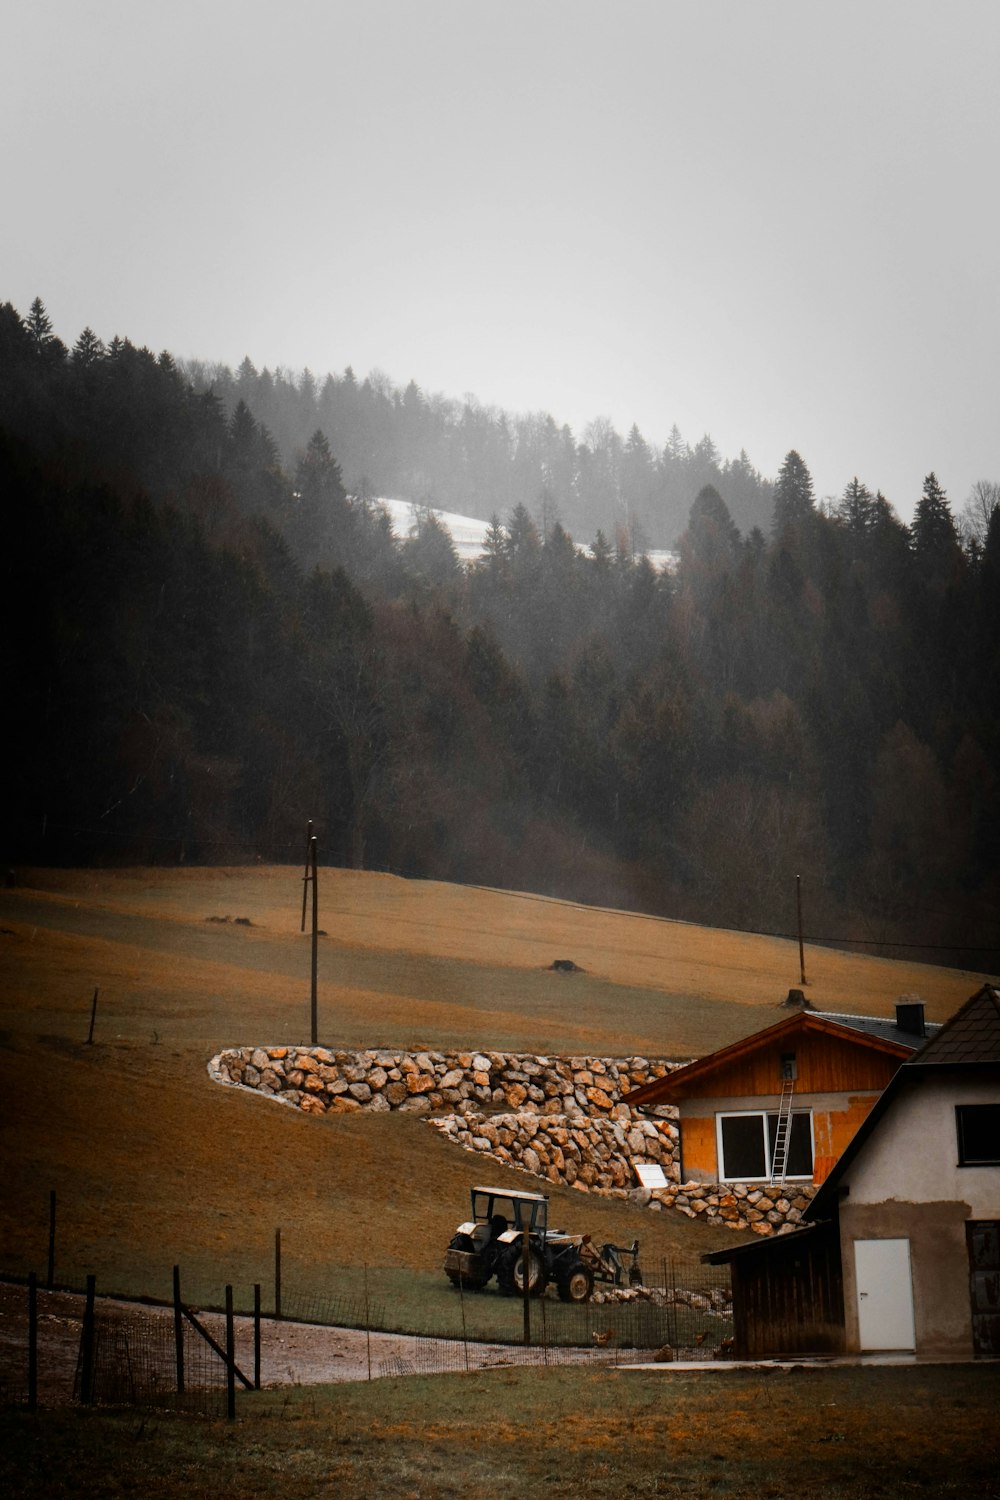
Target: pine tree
{"x": 88, "y": 349}
{"x": 934, "y": 537}
{"x": 39, "y": 327}
{"x": 856, "y": 508}
{"x": 794, "y": 501}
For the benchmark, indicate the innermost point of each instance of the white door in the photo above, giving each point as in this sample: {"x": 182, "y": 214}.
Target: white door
{"x": 885, "y": 1294}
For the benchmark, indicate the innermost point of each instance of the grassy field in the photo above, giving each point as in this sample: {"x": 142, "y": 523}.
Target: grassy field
{"x": 154, "y": 1164}
{"x": 565, "y": 1434}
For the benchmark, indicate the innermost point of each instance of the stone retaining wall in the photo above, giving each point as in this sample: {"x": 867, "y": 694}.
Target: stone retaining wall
{"x": 590, "y": 1154}
{"x": 561, "y": 1119}
{"x": 319, "y": 1079}
{"x": 738, "y": 1205}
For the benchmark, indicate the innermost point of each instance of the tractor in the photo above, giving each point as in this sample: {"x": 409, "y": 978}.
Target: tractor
{"x": 492, "y": 1243}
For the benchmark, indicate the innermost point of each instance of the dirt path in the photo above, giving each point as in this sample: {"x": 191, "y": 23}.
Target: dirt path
{"x": 291, "y": 1353}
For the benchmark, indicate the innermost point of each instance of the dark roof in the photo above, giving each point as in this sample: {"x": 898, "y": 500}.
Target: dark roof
{"x": 971, "y": 1039}
{"x": 881, "y": 1026}
{"x": 971, "y": 1036}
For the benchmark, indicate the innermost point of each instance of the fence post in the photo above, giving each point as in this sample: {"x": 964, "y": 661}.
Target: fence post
{"x": 277, "y": 1274}
{"x": 52, "y": 1238}
{"x": 230, "y": 1358}
{"x": 32, "y": 1341}
{"x": 178, "y": 1331}
{"x": 256, "y": 1335}
{"x": 368, "y": 1325}
{"x": 526, "y": 1273}
{"x": 87, "y": 1346}
{"x": 545, "y": 1333}
{"x": 465, "y": 1336}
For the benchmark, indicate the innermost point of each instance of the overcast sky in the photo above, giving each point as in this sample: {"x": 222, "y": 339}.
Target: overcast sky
{"x": 772, "y": 220}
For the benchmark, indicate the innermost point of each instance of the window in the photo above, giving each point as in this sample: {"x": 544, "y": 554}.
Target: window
{"x": 746, "y": 1146}
{"x": 978, "y": 1134}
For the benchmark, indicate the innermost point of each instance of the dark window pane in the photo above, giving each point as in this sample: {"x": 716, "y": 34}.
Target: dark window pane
{"x": 978, "y": 1134}
{"x": 799, "y": 1157}
{"x": 800, "y": 1151}
{"x": 743, "y": 1147}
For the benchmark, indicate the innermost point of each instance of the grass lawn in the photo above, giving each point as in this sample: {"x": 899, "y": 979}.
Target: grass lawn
{"x": 566, "y": 1434}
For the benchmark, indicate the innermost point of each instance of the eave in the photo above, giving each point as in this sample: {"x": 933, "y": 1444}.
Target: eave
{"x": 684, "y": 1082}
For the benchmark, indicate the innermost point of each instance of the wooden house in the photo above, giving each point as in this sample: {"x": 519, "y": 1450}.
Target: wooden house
{"x": 782, "y": 1105}
{"x": 905, "y": 1230}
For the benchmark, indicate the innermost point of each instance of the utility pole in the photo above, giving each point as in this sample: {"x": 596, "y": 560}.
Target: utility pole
{"x": 798, "y": 903}
{"x": 305, "y": 877}
{"x": 314, "y": 1016}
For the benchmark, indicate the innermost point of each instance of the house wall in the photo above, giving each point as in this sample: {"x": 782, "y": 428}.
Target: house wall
{"x": 825, "y": 1064}
{"x": 836, "y": 1118}
{"x": 907, "y": 1184}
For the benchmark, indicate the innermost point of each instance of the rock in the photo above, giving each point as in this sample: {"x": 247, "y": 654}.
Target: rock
{"x": 417, "y": 1104}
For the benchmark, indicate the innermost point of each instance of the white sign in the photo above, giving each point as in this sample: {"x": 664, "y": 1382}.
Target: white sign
{"x": 649, "y": 1174}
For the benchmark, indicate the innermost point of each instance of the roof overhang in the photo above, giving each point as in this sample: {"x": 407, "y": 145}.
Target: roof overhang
{"x": 761, "y": 1246}
{"x": 685, "y": 1081}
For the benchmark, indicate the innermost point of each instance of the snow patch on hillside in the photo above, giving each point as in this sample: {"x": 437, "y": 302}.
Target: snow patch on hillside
{"x": 469, "y": 535}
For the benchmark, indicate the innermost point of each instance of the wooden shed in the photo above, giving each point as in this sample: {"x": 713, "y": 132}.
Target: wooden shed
{"x": 788, "y": 1294}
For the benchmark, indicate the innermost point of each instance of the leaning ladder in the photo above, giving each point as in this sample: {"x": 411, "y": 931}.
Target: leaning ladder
{"x": 780, "y": 1158}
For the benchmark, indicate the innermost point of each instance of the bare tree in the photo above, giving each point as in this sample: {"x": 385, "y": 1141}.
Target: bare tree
{"x": 974, "y": 521}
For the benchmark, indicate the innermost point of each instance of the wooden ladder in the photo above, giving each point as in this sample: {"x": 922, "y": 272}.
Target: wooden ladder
{"x": 781, "y": 1135}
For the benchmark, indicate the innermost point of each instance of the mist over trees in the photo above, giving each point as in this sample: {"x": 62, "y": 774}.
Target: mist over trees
{"x": 462, "y": 456}
{"x": 211, "y": 638}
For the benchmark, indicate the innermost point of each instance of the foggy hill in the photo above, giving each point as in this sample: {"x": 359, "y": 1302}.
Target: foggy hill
{"x": 477, "y": 461}
{"x": 207, "y": 647}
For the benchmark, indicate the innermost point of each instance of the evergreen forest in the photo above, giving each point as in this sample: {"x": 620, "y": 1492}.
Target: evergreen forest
{"x": 213, "y": 636}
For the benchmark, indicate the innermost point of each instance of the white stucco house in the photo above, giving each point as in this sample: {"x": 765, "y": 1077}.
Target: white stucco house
{"x": 900, "y": 1247}
{"x": 916, "y": 1197}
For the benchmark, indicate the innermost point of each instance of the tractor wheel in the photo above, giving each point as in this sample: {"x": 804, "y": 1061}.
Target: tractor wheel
{"x": 510, "y": 1273}
{"x": 577, "y": 1284}
{"x": 468, "y": 1283}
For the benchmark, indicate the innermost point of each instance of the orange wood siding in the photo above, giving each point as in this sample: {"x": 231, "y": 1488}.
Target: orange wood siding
{"x": 825, "y": 1064}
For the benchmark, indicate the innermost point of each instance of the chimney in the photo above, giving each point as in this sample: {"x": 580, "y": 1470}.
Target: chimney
{"x": 910, "y": 1015}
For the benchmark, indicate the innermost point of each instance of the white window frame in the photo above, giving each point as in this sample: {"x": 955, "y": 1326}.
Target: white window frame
{"x": 762, "y": 1115}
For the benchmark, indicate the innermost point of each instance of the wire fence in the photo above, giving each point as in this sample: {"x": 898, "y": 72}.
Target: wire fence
{"x": 135, "y": 1364}
{"x": 130, "y": 1354}
{"x": 127, "y": 1356}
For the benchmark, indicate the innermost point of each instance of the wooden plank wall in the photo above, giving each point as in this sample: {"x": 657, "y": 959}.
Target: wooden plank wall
{"x": 789, "y": 1298}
